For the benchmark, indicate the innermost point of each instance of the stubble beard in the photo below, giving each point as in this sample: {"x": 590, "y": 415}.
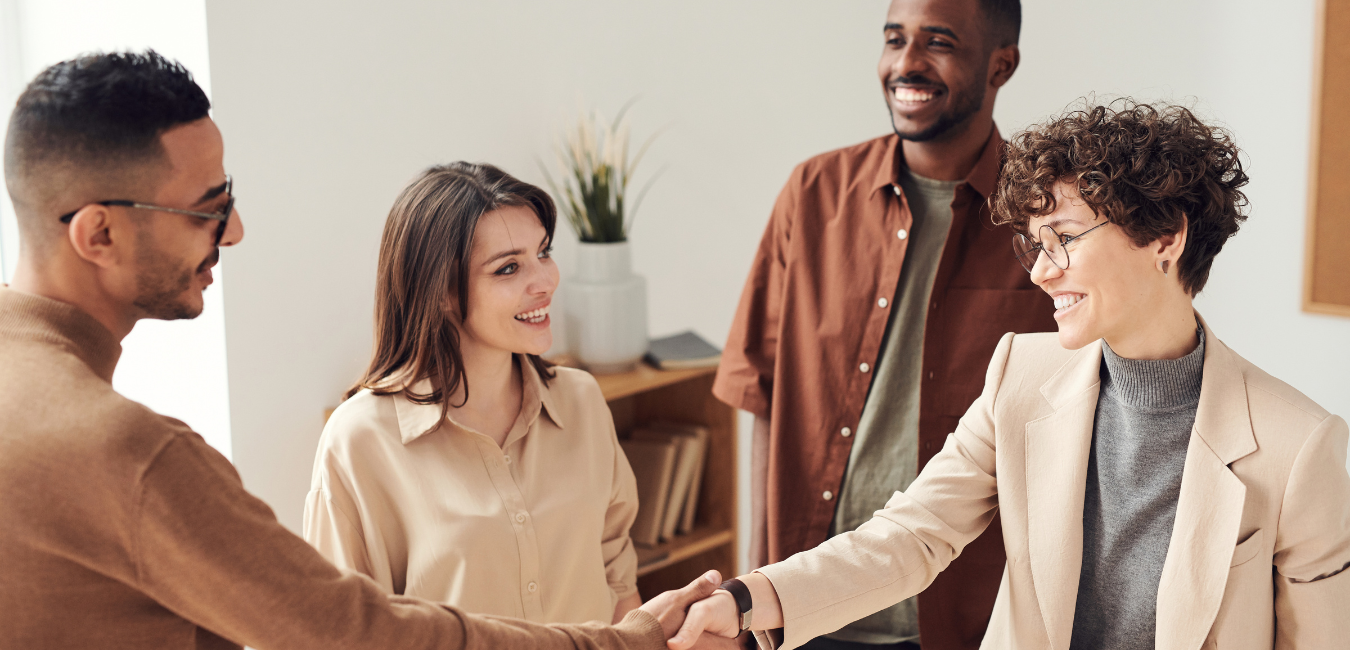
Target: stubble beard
{"x": 964, "y": 104}
{"x": 162, "y": 288}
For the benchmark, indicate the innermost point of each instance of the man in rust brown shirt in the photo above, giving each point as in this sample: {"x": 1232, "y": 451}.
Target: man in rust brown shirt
{"x": 122, "y": 528}
{"x": 878, "y": 294}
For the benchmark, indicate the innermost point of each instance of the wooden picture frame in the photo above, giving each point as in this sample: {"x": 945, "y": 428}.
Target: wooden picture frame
{"x": 1326, "y": 281}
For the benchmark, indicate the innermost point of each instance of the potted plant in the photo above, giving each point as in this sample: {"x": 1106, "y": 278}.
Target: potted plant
{"x": 605, "y": 311}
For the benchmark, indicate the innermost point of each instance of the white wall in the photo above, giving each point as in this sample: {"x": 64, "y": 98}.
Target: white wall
{"x": 328, "y": 109}
{"x": 175, "y": 368}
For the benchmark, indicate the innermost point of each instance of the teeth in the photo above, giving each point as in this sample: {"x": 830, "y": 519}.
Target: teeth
{"x": 536, "y": 316}
{"x": 911, "y": 95}
{"x": 1068, "y": 300}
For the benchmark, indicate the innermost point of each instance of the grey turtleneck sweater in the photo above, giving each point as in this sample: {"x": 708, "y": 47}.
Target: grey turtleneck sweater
{"x": 1145, "y": 413}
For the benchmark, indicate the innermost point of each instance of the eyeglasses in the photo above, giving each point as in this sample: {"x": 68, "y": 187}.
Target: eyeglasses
{"x": 1055, "y": 245}
{"x": 223, "y": 216}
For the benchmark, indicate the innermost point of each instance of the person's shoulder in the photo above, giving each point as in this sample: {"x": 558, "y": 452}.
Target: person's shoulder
{"x": 572, "y": 386}
{"x": 1272, "y": 400}
{"x": 365, "y": 418}
{"x": 863, "y": 158}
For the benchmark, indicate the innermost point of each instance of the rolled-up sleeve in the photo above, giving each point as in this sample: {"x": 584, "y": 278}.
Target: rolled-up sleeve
{"x": 745, "y": 376}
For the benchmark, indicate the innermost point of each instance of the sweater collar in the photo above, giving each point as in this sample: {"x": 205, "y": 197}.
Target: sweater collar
{"x": 1154, "y": 384}
{"x": 29, "y": 317}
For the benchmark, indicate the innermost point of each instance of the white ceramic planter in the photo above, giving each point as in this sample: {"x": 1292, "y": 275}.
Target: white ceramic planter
{"x": 606, "y": 309}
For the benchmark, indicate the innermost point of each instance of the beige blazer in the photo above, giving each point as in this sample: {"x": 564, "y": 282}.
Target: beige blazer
{"x": 1258, "y": 551}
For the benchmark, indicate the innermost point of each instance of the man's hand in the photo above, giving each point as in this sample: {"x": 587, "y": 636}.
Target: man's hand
{"x": 713, "y": 617}
{"x": 669, "y": 608}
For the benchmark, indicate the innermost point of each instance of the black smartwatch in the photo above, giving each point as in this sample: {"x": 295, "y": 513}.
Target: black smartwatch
{"x": 744, "y": 604}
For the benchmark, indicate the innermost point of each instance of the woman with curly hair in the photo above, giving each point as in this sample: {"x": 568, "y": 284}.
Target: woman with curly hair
{"x": 1155, "y": 488}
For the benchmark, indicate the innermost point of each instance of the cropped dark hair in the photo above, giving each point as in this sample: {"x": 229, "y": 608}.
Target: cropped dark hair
{"x": 425, "y": 262}
{"x": 1149, "y": 169}
{"x": 1005, "y": 20}
{"x": 95, "y": 116}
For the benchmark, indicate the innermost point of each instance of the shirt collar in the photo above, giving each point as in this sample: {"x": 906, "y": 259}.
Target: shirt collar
{"x": 33, "y": 317}
{"x": 981, "y": 178}
{"x": 417, "y": 420}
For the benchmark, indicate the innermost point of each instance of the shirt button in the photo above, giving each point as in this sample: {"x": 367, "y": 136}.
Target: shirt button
{"x": 532, "y": 587}
{"x": 902, "y": 234}
{"x": 828, "y": 495}
{"x": 864, "y": 367}
{"x": 508, "y": 460}
{"x": 846, "y": 432}
{"x": 883, "y": 302}
{"x": 520, "y": 517}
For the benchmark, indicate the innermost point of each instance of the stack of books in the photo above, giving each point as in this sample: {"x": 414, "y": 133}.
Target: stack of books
{"x": 667, "y": 458}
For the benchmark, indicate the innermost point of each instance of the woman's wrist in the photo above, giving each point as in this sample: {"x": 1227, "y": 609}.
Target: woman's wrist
{"x": 768, "y": 610}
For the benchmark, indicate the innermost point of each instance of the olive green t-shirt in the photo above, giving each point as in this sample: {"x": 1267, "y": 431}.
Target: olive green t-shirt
{"x": 884, "y": 458}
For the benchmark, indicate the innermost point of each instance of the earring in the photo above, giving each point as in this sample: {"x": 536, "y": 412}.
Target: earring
{"x": 1165, "y": 263}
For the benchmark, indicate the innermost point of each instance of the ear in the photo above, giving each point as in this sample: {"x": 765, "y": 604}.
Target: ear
{"x": 1003, "y": 63}
{"x": 1167, "y": 249}
{"x": 97, "y": 236}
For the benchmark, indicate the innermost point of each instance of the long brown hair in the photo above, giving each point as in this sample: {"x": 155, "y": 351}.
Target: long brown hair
{"x": 424, "y": 261}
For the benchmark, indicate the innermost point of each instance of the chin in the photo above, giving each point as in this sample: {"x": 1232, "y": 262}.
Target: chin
{"x": 1073, "y": 338}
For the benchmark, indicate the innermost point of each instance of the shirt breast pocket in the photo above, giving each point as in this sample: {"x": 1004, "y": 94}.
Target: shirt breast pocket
{"x": 1247, "y": 550}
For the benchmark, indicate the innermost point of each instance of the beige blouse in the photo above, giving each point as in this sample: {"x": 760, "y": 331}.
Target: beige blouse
{"x": 536, "y": 529}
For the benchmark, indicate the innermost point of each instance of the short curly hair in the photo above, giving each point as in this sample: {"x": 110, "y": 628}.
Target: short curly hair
{"x": 1146, "y": 168}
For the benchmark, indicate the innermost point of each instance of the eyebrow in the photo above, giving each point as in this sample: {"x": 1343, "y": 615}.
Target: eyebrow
{"x": 514, "y": 251}
{"x": 212, "y": 193}
{"x": 932, "y": 29}
{"x": 1060, "y": 222}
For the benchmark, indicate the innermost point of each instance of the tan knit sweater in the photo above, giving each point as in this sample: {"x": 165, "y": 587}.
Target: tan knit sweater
{"x": 121, "y": 528}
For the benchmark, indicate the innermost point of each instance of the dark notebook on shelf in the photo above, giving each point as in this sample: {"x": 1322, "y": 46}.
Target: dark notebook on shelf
{"x": 681, "y": 351}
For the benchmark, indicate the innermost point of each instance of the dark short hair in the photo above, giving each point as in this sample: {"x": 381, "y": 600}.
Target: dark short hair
{"x": 425, "y": 256}
{"x": 95, "y": 115}
{"x": 1147, "y": 168}
{"x": 1005, "y": 20}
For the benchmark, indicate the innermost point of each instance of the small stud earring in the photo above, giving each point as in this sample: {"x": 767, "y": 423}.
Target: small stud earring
{"x": 1165, "y": 263}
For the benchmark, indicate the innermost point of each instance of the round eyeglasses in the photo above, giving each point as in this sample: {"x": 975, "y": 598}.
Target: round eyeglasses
{"x": 1055, "y": 246}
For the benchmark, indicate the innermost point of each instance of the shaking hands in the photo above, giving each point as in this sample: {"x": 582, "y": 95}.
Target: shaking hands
{"x": 688, "y": 615}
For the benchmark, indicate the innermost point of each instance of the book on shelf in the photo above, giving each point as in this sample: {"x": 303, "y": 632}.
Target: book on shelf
{"x": 682, "y": 351}
{"x": 690, "y": 443}
{"x": 653, "y": 463}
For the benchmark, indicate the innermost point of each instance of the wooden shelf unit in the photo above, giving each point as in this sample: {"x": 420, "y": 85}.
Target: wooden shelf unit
{"x": 647, "y": 395}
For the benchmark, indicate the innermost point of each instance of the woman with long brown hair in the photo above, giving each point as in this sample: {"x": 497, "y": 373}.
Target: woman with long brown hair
{"x": 462, "y": 467}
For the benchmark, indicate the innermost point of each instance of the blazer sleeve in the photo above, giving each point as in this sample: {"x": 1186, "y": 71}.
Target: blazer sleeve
{"x": 899, "y": 552}
{"x": 207, "y": 550}
{"x": 1312, "y": 546}
{"x": 745, "y": 374}
{"x": 616, "y": 546}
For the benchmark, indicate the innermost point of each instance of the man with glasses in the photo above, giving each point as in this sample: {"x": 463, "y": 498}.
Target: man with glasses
{"x": 119, "y": 527}
{"x": 880, "y": 289}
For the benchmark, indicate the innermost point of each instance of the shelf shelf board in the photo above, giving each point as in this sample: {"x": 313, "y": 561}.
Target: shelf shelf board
{"x": 639, "y": 380}
{"x": 683, "y": 547}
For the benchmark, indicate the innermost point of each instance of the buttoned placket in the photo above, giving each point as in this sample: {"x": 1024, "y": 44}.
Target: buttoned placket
{"x": 879, "y": 317}
{"x": 502, "y": 472}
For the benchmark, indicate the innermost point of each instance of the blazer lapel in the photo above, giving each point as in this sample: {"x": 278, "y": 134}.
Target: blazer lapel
{"x": 1057, "y": 449}
{"x": 1209, "y": 510}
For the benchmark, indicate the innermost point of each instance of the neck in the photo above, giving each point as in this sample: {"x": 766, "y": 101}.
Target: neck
{"x": 74, "y": 289}
{"x": 493, "y": 377}
{"x": 1166, "y": 333}
{"x": 951, "y": 156}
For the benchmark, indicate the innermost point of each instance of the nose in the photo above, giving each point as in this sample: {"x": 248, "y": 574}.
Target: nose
{"x": 234, "y": 230}
{"x": 1044, "y": 270}
{"x": 545, "y": 278}
{"x": 910, "y": 63}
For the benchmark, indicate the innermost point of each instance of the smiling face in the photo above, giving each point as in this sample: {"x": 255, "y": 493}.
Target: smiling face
{"x": 934, "y": 67}
{"x": 175, "y": 252}
{"x": 1112, "y": 289}
{"x": 512, "y": 278}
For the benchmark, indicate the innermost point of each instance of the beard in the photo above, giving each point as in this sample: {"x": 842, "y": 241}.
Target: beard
{"x": 964, "y": 103}
{"x": 163, "y": 286}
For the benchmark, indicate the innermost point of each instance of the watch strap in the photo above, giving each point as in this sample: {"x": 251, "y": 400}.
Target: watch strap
{"x": 744, "y": 604}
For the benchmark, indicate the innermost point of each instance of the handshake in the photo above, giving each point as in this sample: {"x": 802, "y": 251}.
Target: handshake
{"x": 699, "y": 616}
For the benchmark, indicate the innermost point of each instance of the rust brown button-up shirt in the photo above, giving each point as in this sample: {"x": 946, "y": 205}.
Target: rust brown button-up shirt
{"x": 809, "y": 329}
